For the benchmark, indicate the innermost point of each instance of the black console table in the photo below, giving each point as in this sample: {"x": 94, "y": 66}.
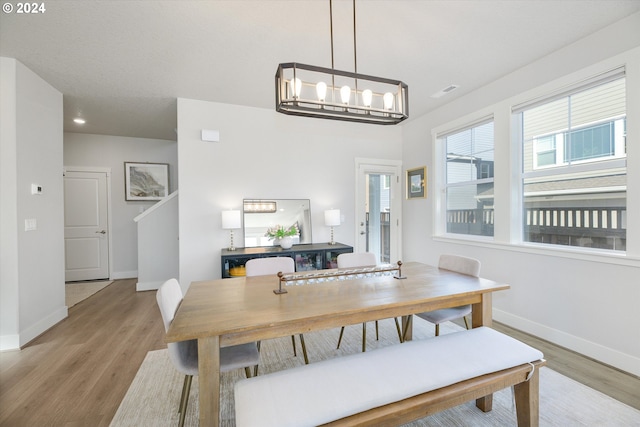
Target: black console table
{"x": 314, "y": 256}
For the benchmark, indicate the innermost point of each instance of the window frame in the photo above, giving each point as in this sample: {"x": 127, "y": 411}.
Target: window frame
{"x": 507, "y": 218}
{"x": 609, "y": 165}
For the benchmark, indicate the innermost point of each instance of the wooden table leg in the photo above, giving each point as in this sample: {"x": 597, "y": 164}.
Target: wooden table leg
{"x": 209, "y": 380}
{"x": 481, "y": 312}
{"x": 481, "y": 316}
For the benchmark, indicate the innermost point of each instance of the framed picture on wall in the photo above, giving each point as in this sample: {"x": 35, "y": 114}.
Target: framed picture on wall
{"x": 146, "y": 181}
{"x": 417, "y": 183}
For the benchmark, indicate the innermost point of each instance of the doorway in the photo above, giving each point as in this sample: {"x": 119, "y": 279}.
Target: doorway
{"x": 378, "y": 209}
{"x": 86, "y": 224}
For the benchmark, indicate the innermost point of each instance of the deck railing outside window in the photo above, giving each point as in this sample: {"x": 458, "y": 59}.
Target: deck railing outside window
{"x": 601, "y": 227}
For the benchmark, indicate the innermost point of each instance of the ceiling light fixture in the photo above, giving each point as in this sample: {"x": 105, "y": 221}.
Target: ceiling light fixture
{"x": 79, "y": 121}
{"x": 311, "y": 91}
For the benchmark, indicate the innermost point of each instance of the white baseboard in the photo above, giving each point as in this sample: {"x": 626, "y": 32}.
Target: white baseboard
{"x": 116, "y": 275}
{"x": 41, "y": 326}
{"x": 609, "y": 356}
{"x": 148, "y": 286}
{"x": 9, "y": 342}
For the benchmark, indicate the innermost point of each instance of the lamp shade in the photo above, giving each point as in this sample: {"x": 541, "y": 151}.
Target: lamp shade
{"x": 231, "y": 219}
{"x": 332, "y": 217}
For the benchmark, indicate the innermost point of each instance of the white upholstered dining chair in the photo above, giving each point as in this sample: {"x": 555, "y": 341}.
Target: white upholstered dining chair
{"x": 354, "y": 260}
{"x": 184, "y": 354}
{"x": 462, "y": 265}
{"x": 275, "y": 265}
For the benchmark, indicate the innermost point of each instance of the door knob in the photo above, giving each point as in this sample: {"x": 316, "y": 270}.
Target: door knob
{"x": 101, "y": 232}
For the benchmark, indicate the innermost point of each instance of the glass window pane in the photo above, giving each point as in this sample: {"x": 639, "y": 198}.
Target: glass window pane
{"x": 583, "y": 207}
{"x": 470, "y": 154}
{"x": 470, "y": 209}
{"x": 546, "y": 119}
{"x": 593, "y": 220}
{"x": 598, "y": 104}
{"x": 470, "y": 157}
{"x": 590, "y": 143}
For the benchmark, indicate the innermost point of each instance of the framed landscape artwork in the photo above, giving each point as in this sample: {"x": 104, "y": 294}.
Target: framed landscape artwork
{"x": 417, "y": 183}
{"x": 146, "y": 181}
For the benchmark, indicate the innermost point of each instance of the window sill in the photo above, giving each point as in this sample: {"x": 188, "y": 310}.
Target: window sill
{"x": 583, "y": 254}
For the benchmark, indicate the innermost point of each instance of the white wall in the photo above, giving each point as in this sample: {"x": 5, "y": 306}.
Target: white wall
{"x": 264, "y": 154}
{"x": 158, "y": 256}
{"x": 105, "y": 151}
{"x": 32, "y": 262}
{"x": 585, "y": 303}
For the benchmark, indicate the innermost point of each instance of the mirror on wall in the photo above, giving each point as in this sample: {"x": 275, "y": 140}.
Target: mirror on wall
{"x": 260, "y": 214}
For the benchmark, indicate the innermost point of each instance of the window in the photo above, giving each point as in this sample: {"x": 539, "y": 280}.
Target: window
{"x": 573, "y": 164}
{"x": 592, "y": 142}
{"x": 545, "y": 151}
{"x": 469, "y": 180}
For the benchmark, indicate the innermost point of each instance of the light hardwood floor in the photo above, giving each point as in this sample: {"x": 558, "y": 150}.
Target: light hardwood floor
{"x": 77, "y": 373}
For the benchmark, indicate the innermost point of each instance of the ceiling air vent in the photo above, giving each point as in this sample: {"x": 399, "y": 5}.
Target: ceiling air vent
{"x": 445, "y": 91}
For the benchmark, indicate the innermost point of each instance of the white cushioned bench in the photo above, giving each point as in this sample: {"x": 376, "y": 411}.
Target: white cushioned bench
{"x": 394, "y": 385}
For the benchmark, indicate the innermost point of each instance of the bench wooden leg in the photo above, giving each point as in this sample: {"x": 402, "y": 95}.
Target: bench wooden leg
{"x": 485, "y": 404}
{"x": 527, "y": 401}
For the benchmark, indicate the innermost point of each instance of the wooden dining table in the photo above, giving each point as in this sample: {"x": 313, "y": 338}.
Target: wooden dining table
{"x": 226, "y": 312}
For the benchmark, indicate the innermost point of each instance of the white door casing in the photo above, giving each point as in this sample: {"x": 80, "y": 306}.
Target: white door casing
{"x": 378, "y": 168}
{"x": 86, "y": 225}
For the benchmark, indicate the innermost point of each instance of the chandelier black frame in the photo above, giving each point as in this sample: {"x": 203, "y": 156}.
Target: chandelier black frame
{"x": 344, "y": 95}
{"x": 289, "y": 102}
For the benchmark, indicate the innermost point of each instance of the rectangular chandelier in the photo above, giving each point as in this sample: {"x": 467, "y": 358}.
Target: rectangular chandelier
{"x": 311, "y": 91}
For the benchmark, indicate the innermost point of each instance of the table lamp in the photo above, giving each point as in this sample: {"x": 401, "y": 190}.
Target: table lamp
{"x": 332, "y": 219}
{"x": 231, "y": 220}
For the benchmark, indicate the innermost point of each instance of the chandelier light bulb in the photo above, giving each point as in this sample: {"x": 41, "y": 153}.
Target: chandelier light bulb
{"x": 367, "y": 97}
{"x": 296, "y": 87}
{"x": 345, "y": 94}
{"x": 321, "y": 90}
{"x": 388, "y": 101}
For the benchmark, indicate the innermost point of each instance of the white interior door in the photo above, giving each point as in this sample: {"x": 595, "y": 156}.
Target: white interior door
{"x": 86, "y": 232}
{"x": 378, "y": 209}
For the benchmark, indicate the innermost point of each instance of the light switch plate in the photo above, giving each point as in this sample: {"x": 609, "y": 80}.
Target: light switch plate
{"x": 30, "y": 224}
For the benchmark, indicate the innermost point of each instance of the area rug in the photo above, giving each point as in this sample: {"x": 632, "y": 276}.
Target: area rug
{"x": 76, "y": 292}
{"x": 152, "y": 399}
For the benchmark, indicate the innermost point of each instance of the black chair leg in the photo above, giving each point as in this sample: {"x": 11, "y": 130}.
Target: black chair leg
{"x": 304, "y": 350}
{"x": 293, "y": 341}
{"x": 340, "y": 338}
{"x": 398, "y": 329}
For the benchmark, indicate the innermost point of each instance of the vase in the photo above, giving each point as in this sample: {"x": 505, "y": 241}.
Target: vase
{"x": 286, "y": 242}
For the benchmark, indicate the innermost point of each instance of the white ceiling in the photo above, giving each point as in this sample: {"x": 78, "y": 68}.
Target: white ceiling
{"x": 122, "y": 64}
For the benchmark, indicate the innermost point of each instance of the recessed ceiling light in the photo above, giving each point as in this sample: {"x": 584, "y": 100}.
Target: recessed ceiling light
{"x": 445, "y": 91}
{"x": 79, "y": 121}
